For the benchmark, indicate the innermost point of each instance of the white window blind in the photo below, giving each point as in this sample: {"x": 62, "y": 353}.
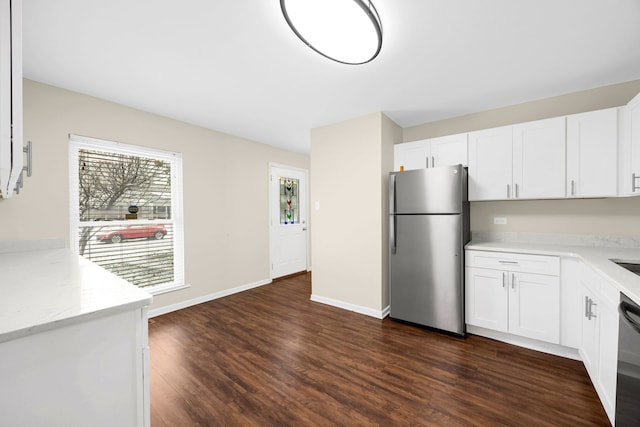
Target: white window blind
{"x": 110, "y": 180}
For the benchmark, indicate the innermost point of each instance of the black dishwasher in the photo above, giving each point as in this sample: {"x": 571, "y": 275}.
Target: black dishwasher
{"x": 628, "y": 388}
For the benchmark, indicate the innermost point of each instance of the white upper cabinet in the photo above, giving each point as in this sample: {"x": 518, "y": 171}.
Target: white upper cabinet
{"x": 411, "y": 155}
{"x": 433, "y": 152}
{"x": 539, "y": 159}
{"x": 592, "y": 154}
{"x": 629, "y": 160}
{"x": 524, "y": 161}
{"x": 449, "y": 150}
{"x": 10, "y": 95}
{"x": 491, "y": 164}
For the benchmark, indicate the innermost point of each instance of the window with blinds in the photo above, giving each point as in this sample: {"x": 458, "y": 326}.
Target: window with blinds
{"x": 126, "y": 211}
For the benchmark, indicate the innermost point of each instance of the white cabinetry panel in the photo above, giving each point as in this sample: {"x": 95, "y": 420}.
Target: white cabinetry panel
{"x": 85, "y": 374}
{"x": 629, "y": 160}
{"x": 534, "y": 306}
{"x": 599, "y": 347}
{"x": 411, "y": 155}
{"x": 519, "y": 295}
{"x": 592, "y": 154}
{"x": 449, "y": 150}
{"x": 486, "y": 295}
{"x": 524, "y": 161}
{"x": 10, "y": 95}
{"x": 539, "y": 159}
{"x": 433, "y": 152}
{"x": 491, "y": 164}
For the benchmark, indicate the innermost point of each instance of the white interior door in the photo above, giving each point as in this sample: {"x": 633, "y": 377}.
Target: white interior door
{"x": 288, "y": 220}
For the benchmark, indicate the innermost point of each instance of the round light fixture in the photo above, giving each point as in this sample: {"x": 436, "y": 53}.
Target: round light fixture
{"x": 346, "y": 31}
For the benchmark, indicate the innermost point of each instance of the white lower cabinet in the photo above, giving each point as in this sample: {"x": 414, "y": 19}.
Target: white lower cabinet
{"x": 599, "y": 346}
{"x": 91, "y": 373}
{"x": 541, "y": 298}
{"x": 514, "y": 293}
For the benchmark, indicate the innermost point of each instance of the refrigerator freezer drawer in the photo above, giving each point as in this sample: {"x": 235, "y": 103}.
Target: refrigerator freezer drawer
{"x": 426, "y": 271}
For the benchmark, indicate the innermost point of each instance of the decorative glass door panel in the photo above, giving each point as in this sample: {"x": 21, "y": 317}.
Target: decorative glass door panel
{"x": 289, "y": 204}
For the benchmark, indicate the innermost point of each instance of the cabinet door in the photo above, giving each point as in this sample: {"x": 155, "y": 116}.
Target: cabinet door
{"x": 412, "y": 155}
{"x": 486, "y": 298}
{"x": 608, "y": 366}
{"x": 534, "y": 306}
{"x": 449, "y": 150}
{"x": 539, "y": 159}
{"x": 10, "y": 95}
{"x": 572, "y": 310}
{"x": 490, "y": 164}
{"x": 590, "y": 348}
{"x": 634, "y": 136}
{"x": 592, "y": 154}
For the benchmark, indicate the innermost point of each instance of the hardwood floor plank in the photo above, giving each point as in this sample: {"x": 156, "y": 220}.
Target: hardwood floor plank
{"x": 271, "y": 357}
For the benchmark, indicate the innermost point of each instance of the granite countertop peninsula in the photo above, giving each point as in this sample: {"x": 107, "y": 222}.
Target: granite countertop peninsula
{"x": 45, "y": 286}
{"x": 594, "y": 251}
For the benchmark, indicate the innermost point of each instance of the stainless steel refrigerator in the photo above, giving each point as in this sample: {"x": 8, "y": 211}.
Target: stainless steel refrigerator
{"x": 429, "y": 226}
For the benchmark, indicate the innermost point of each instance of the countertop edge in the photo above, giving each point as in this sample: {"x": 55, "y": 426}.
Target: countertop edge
{"x": 68, "y": 321}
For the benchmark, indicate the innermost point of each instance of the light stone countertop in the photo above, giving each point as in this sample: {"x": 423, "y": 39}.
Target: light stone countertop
{"x": 50, "y": 288}
{"x": 595, "y": 252}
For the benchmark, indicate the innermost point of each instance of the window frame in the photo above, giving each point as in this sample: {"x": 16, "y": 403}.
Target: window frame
{"x": 77, "y": 143}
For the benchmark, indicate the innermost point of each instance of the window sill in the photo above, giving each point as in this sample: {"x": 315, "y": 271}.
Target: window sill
{"x": 163, "y": 289}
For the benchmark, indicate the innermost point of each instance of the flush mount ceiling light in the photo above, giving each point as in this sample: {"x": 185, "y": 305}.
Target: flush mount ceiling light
{"x": 346, "y": 31}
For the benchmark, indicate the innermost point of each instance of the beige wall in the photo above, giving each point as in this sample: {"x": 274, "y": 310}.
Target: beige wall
{"x": 225, "y": 185}
{"x": 620, "y": 216}
{"x": 348, "y": 165}
{"x": 391, "y": 133}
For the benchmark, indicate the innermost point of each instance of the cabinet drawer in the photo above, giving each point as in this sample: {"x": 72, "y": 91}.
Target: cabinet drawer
{"x": 539, "y": 264}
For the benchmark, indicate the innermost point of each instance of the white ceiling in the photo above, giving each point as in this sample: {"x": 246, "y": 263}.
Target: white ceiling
{"x": 235, "y": 66}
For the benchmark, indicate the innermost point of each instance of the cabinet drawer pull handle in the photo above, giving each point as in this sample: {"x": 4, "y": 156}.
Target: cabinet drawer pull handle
{"x": 586, "y": 306}
{"x": 508, "y": 191}
{"x": 591, "y": 304}
{"x": 513, "y": 281}
{"x": 573, "y": 188}
{"x": 501, "y": 261}
{"x": 517, "y": 192}
{"x": 433, "y": 162}
{"x": 634, "y": 187}
{"x": 504, "y": 279}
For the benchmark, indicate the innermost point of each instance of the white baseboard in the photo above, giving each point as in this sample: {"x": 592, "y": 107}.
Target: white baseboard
{"x": 205, "y": 298}
{"x": 386, "y": 311}
{"x": 545, "y": 347}
{"x": 378, "y": 314}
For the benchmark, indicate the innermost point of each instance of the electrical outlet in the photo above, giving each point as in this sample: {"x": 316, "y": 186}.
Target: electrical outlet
{"x": 500, "y": 220}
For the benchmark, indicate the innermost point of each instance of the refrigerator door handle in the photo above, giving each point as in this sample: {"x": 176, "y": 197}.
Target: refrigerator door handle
{"x": 392, "y": 194}
{"x": 392, "y": 210}
{"x": 392, "y": 234}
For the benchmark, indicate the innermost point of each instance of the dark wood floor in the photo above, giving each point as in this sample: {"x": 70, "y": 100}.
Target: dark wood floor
{"x": 271, "y": 357}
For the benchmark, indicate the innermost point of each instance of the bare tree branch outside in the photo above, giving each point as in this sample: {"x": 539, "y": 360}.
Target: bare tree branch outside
{"x": 109, "y": 183}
